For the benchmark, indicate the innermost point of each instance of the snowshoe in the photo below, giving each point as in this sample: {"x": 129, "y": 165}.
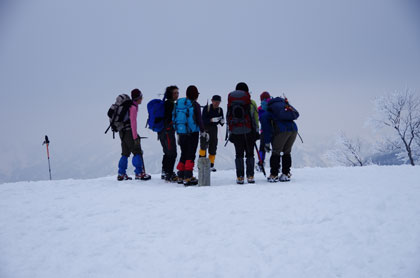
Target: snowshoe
{"x": 123, "y": 177}
{"x": 284, "y": 177}
{"x": 240, "y": 180}
{"x": 143, "y": 177}
{"x": 272, "y": 178}
{"x": 250, "y": 179}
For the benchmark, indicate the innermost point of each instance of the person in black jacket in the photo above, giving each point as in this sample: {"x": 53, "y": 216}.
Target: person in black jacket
{"x": 167, "y": 136}
{"x": 212, "y": 117}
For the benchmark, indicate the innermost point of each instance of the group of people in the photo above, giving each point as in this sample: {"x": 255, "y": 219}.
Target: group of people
{"x": 187, "y": 124}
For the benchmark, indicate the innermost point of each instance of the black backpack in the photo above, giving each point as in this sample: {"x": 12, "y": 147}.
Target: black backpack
{"x": 118, "y": 114}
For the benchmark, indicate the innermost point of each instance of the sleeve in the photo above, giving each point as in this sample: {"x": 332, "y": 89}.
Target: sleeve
{"x": 205, "y": 117}
{"x": 254, "y": 112}
{"x": 133, "y": 121}
{"x": 266, "y": 126}
{"x": 197, "y": 111}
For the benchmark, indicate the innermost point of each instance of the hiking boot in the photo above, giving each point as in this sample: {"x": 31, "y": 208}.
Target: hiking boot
{"x": 284, "y": 177}
{"x": 123, "y": 177}
{"x": 190, "y": 181}
{"x": 163, "y": 176}
{"x": 171, "y": 178}
{"x": 212, "y": 168}
{"x": 240, "y": 180}
{"x": 250, "y": 179}
{"x": 143, "y": 177}
{"x": 180, "y": 180}
{"x": 272, "y": 178}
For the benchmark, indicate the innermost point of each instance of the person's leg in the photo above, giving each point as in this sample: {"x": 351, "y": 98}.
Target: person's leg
{"x": 239, "y": 144}
{"x": 212, "y": 144}
{"x": 125, "y": 153}
{"x": 183, "y": 143}
{"x": 250, "y": 159}
{"x": 287, "y": 149}
{"x": 193, "y": 139}
{"x": 168, "y": 142}
{"x": 277, "y": 145}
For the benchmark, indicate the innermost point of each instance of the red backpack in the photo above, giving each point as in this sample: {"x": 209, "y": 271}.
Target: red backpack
{"x": 239, "y": 112}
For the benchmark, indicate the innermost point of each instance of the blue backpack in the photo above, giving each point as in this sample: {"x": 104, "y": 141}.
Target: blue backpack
{"x": 282, "y": 110}
{"x": 156, "y": 110}
{"x": 183, "y": 117}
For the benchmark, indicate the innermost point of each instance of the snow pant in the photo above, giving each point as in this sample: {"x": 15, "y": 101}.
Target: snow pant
{"x": 282, "y": 143}
{"x": 244, "y": 144}
{"x": 168, "y": 142}
{"x": 212, "y": 144}
{"x": 188, "y": 144}
{"x": 129, "y": 147}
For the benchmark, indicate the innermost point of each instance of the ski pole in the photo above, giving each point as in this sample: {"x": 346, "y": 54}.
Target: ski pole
{"x": 47, "y": 142}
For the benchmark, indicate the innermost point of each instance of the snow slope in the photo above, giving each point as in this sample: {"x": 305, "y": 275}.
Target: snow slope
{"x": 327, "y": 222}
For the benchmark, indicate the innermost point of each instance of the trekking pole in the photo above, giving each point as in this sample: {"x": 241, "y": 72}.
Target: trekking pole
{"x": 260, "y": 159}
{"x": 300, "y": 137}
{"x": 47, "y": 142}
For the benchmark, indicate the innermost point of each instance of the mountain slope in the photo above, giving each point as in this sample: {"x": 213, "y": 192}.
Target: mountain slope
{"x": 327, "y": 222}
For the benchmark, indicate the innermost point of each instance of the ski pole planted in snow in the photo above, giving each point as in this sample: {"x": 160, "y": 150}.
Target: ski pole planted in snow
{"x": 47, "y": 142}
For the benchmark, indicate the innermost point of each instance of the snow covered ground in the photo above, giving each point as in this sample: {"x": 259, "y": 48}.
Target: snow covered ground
{"x": 327, "y": 222}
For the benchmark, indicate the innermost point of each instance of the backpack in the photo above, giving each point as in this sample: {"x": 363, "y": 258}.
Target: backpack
{"x": 282, "y": 110}
{"x": 238, "y": 116}
{"x": 156, "y": 110}
{"x": 183, "y": 117}
{"x": 118, "y": 114}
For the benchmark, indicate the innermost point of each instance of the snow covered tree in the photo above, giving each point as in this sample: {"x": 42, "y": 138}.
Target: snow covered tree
{"x": 348, "y": 152}
{"x": 401, "y": 112}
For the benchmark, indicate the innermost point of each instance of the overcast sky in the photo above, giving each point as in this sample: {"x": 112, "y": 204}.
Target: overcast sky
{"x": 62, "y": 63}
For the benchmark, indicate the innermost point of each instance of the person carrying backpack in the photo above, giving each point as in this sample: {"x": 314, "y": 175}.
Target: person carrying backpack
{"x": 130, "y": 142}
{"x": 188, "y": 124}
{"x": 212, "y": 117}
{"x": 265, "y": 98}
{"x": 167, "y": 136}
{"x": 243, "y": 130}
{"x": 280, "y": 130}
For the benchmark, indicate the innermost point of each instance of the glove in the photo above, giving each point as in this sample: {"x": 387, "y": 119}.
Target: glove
{"x": 137, "y": 142}
{"x": 205, "y": 136}
{"x": 222, "y": 121}
{"x": 215, "y": 119}
{"x": 267, "y": 148}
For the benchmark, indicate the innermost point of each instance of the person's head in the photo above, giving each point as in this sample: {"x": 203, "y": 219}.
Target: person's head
{"x": 264, "y": 96}
{"x": 241, "y": 86}
{"x": 215, "y": 100}
{"x": 192, "y": 92}
{"x": 172, "y": 93}
{"x": 136, "y": 96}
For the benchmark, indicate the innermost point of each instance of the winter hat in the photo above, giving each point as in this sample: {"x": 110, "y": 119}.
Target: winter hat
{"x": 241, "y": 86}
{"x": 216, "y": 98}
{"x": 264, "y": 95}
{"x": 192, "y": 92}
{"x": 136, "y": 94}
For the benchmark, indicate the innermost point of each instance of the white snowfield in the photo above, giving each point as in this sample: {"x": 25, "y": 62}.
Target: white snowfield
{"x": 327, "y": 222}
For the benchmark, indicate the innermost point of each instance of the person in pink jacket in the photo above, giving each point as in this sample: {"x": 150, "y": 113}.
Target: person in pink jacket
{"x": 130, "y": 143}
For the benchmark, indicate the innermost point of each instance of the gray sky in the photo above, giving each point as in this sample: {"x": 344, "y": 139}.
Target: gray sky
{"x": 63, "y": 62}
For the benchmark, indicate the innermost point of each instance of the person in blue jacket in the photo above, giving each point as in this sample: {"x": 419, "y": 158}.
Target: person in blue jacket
{"x": 280, "y": 130}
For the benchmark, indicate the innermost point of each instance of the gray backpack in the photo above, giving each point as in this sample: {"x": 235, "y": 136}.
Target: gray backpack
{"x": 118, "y": 114}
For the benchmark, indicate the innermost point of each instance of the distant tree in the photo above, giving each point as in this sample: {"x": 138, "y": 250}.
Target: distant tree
{"x": 348, "y": 152}
{"x": 401, "y": 112}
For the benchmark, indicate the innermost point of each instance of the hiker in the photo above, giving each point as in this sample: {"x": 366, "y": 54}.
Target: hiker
{"x": 130, "y": 142}
{"x": 212, "y": 117}
{"x": 280, "y": 130}
{"x": 243, "y": 130}
{"x": 264, "y": 98}
{"x": 167, "y": 136}
{"x": 188, "y": 124}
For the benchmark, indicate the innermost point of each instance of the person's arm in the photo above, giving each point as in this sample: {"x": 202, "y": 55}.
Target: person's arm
{"x": 205, "y": 117}
{"x": 133, "y": 121}
{"x": 254, "y": 111}
{"x": 266, "y": 126}
{"x": 197, "y": 112}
